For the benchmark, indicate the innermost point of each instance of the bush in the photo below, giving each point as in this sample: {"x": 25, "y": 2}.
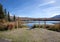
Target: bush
{"x": 35, "y": 26}
{"x": 54, "y": 28}
{"x": 3, "y": 27}
{"x": 41, "y": 26}
{"x": 6, "y": 27}
{"x": 47, "y": 26}
{"x": 23, "y": 26}
{"x": 10, "y": 26}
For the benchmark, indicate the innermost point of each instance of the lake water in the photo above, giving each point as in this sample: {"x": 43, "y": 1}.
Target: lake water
{"x": 31, "y": 23}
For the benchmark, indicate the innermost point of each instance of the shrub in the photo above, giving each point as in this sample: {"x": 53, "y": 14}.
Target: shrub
{"x": 15, "y": 26}
{"x": 10, "y": 26}
{"x": 41, "y": 26}
{"x": 3, "y": 27}
{"x": 23, "y": 26}
{"x": 54, "y": 28}
{"x": 34, "y": 26}
{"x": 47, "y": 26}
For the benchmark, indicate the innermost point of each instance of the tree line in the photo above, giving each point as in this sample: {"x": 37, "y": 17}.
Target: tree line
{"x": 5, "y": 15}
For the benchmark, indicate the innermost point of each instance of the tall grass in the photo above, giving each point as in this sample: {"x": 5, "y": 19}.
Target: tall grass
{"x": 55, "y": 27}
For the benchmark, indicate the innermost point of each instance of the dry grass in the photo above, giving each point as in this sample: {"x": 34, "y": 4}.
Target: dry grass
{"x": 34, "y": 35}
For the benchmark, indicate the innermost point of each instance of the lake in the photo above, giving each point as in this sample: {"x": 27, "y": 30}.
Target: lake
{"x": 31, "y": 23}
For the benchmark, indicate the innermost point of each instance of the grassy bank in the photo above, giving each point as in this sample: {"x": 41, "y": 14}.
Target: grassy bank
{"x": 34, "y": 35}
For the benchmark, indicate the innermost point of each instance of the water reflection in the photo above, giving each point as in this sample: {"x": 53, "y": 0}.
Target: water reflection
{"x": 31, "y": 23}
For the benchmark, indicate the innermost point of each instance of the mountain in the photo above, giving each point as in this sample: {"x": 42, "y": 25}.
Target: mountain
{"x": 57, "y": 16}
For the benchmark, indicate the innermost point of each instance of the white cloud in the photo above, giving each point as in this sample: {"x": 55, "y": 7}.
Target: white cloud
{"x": 50, "y": 2}
{"x": 54, "y": 14}
{"x": 52, "y": 11}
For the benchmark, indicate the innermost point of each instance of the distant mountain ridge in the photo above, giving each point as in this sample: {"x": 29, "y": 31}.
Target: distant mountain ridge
{"x": 27, "y": 18}
{"x": 57, "y": 16}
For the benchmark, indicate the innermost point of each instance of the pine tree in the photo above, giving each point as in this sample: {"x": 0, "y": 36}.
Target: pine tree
{"x": 2, "y": 16}
{"x": 5, "y": 13}
{"x": 14, "y": 18}
{"x": 9, "y": 17}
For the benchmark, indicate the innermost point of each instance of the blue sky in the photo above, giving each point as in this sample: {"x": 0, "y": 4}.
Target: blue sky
{"x": 32, "y": 8}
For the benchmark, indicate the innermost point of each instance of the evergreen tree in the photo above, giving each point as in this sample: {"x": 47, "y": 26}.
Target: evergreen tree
{"x": 9, "y": 17}
{"x": 2, "y": 16}
{"x": 5, "y": 13}
{"x": 14, "y": 18}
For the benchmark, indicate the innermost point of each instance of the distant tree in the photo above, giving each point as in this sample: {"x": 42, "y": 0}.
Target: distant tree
{"x": 14, "y": 18}
{"x": 5, "y": 13}
{"x": 2, "y": 16}
{"x": 9, "y": 17}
